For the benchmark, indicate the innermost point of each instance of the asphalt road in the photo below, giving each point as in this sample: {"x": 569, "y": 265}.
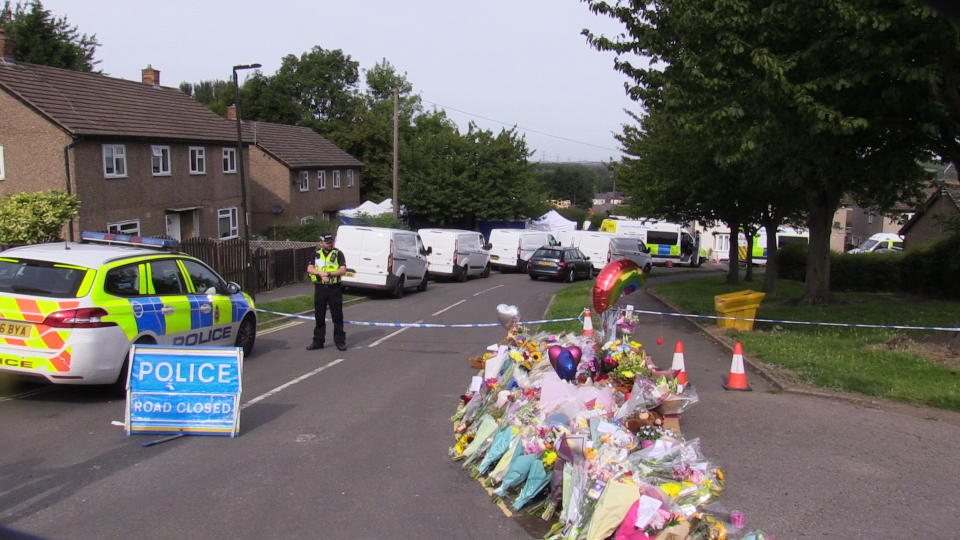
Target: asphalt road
{"x": 356, "y": 446}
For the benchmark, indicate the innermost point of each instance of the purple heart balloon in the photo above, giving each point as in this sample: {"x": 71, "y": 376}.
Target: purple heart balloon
{"x": 552, "y": 353}
{"x": 566, "y": 366}
{"x": 575, "y": 352}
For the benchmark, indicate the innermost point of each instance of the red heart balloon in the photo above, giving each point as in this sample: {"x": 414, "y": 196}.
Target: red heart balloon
{"x": 552, "y": 353}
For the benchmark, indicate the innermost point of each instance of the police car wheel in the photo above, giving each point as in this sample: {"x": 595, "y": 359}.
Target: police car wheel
{"x": 246, "y": 336}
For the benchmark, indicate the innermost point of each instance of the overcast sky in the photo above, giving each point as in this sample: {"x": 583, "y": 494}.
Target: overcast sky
{"x": 519, "y": 62}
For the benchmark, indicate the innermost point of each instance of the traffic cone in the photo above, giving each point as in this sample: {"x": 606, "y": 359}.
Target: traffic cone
{"x": 737, "y": 380}
{"x": 678, "y": 363}
{"x": 587, "y": 323}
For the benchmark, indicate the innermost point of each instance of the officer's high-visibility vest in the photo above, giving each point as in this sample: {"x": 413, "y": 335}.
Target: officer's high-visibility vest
{"x": 328, "y": 263}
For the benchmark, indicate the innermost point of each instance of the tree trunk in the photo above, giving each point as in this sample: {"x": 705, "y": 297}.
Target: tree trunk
{"x": 823, "y": 204}
{"x": 773, "y": 258}
{"x": 733, "y": 270}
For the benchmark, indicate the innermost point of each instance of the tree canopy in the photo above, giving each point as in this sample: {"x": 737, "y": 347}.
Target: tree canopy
{"x": 41, "y": 38}
{"x": 809, "y": 100}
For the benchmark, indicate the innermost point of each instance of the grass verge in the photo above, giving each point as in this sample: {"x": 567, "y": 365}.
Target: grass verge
{"x": 569, "y": 302}
{"x": 886, "y": 363}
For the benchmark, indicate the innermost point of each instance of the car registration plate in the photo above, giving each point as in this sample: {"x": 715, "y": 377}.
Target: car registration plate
{"x": 545, "y": 263}
{"x": 495, "y": 257}
{"x": 350, "y": 274}
{"x": 14, "y": 329}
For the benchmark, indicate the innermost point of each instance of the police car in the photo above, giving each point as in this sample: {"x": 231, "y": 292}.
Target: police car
{"x": 70, "y": 311}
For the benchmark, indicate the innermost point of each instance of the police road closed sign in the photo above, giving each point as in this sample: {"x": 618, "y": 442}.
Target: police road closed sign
{"x": 190, "y": 390}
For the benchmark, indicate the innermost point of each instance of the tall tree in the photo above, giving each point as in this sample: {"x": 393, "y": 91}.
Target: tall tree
{"x": 324, "y": 82}
{"x": 571, "y": 182}
{"x": 837, "y": 82}
{"x": 42, "y": 38}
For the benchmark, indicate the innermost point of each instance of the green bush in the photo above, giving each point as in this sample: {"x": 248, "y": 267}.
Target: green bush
{"x": 35, "y": 217}
{"x": 873, "y": 272}
{"x": 932, "y": 269}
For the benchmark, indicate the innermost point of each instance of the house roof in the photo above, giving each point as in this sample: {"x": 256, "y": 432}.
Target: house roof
{"x": 84, "y": 103}
{"x": 951, "y": 192}
{"x": 297, "y": 147}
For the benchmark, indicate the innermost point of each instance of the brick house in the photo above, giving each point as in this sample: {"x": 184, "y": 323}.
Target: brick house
{"x": 939, "y": 216}
{"x": 297, "y": 175}
{"x": 143, "y": 158}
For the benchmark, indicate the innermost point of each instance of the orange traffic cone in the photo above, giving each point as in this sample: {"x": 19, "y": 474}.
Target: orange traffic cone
{"x": 737, "y": 380}
{"x": 587, "y": 323}
{"x": 678, "y": 363}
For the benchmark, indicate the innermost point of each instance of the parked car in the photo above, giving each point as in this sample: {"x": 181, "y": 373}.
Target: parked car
{"x": 878, "y": 241}
{"x": 383, "y": 259}
{"x": 512, "y": 248}
{"x": 564, "y": 263}
{"x": 456, "y": 253}
{"x": 70, "y": 311}
{"x": 625, "y": 247}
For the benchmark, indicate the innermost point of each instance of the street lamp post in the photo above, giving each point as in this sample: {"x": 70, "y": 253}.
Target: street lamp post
{"x": 244, "y": 226}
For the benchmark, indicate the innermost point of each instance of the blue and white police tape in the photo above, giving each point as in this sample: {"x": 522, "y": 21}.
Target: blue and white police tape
{"x": 640, "y": 311}
{"x": 808, "y": 323}
{"x": 413, "y": 325}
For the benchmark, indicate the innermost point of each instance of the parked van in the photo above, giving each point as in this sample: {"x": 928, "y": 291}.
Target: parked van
{"x": 512, "y": 248}
{"x": 456, "y": 253}
{"x": 669, "y": 243}
{"x": 383, "y": 259}
{"x": 785, "y": 236}
{"x": 880, "y": 241}
{"x": 603, "y": 247}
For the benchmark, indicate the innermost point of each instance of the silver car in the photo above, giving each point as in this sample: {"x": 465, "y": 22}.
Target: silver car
{"x": 634, "y": 249}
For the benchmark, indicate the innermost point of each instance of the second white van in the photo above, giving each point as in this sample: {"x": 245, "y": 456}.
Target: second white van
{"x": 510, "y": 249}
{"x": 383, "y": 259}
{"x": 456, "y": 253}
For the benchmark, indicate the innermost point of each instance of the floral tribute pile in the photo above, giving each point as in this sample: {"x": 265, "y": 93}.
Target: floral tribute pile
{"x": 586, "y": 443}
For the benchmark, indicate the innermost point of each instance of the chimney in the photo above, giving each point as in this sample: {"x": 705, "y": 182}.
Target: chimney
{"x": 150, "y": 76}
{"x": 6, "y": 48}
{"x": 232, "y": 113}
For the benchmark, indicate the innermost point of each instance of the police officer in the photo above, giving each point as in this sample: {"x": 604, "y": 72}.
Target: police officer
{"x": 325, "y": 272}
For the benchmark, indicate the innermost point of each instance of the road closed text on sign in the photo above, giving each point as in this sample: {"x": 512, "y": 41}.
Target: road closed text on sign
{"x": 193, "y": 390}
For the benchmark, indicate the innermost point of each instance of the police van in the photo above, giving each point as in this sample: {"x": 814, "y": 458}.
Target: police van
{"x": 669, "y": 243}
{"x": 785, "y": 236}
{"x": 70, "y": 311}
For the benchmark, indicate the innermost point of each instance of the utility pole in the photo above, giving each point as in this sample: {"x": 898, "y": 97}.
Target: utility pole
{"x": 396, "y": 203}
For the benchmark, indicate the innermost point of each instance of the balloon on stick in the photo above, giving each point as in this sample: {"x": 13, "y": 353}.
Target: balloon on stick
{"x": 618, "y": 278}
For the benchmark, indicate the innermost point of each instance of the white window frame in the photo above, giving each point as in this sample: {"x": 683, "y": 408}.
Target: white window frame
{"x": 321, "y": 179}
{"x": 118, "y": 156}
{"x": 350, "y": 178}
{"x": 231, "y": 213}
{"x": 336, "y": 179}
{"x": 130, "y": 226}
{"x": 229, "y": 160}
{"x": 307, "y": 219}
{"x": 3, "y": 169}
{"x": 159, "y": 152}
{"x": 304, "y": 182}
{"x": 198, "y": 159}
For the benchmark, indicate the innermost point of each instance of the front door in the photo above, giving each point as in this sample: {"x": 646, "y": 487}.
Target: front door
{"x": 173, "y": 226}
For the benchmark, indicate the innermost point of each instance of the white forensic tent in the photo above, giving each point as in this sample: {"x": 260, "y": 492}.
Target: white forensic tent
{"x": 552, "y": 221}
{"x": 368, "y": 208}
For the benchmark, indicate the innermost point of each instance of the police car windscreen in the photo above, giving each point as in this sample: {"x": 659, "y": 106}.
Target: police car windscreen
{"x": 40, "y": 278}
{"x": 661, "y": 237}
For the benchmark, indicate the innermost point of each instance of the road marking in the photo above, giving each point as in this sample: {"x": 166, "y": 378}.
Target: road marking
{"x": 487, "y": 290}
{"x": 277, "y": 328}
{"x": 449, "y": 307}
{"x": 388, "y": 336}
{"x": 286, "y": 385}
{"x": 41, "y": 390}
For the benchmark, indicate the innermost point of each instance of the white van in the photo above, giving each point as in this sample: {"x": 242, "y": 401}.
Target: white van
{"x": 880, "y": 241}
{"x": 383, "y": 259}
{"x": 604, "y": 247}
{"x": 510, "y": 249}
{"x": 456, "y": 253}
{"x": 669, "y": 243}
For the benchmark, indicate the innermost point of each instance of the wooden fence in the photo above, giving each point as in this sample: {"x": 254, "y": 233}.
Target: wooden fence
{"x": 271, "y": 264}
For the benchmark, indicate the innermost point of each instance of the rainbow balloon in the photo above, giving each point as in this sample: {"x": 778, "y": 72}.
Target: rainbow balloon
{"x": 617, "y": 278}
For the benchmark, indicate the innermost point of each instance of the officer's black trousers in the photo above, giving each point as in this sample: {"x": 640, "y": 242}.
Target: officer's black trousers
{"x": 332, "y": 295}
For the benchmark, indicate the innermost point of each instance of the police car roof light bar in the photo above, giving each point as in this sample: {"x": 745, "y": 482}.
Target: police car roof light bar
{"x": 128, "y": 240}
